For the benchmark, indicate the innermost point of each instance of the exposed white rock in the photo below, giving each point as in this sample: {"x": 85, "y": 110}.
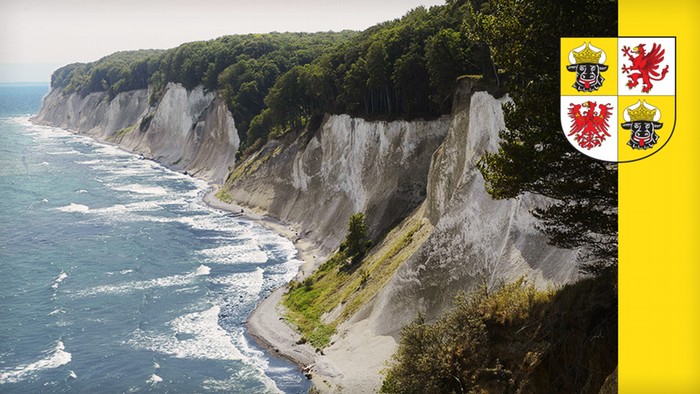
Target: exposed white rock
{"x": 350, "y": 165}
{"x": 476, "y": 238}
{"x": 188, "y": 130}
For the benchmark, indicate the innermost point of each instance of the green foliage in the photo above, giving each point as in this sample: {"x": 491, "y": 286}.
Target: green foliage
{"x": 355, "y": 244}
{"x": 336, "y": 285}
{"x": 278, "y": 82}
{"x": 514, "y": 339}
{"x": 306, "y": 302}
{"x": 119, "y": 72}
{"x": 447, "y": 55}
{"x": 244, "y": 67}
{"x": 524, "y": 39}
{"x": 224, "y": 196}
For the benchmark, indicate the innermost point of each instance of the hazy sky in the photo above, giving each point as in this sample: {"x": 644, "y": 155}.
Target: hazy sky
{"x": 37, "y": 36}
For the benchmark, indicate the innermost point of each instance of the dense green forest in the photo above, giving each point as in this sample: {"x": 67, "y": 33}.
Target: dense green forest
{"x": 277, "y": 82}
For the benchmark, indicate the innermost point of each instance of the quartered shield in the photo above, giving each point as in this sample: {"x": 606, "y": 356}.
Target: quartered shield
{"x": 618, "y": 95}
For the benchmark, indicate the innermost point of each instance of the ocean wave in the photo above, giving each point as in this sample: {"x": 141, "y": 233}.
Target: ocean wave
{"x": 235, "y": 254}
{"x": 243, "y": 282}
{"x": 58, "y": 280}
{"x": 168, "y": 281}
{"x": 65, "y": 152}
{"x": 111, "y": 150}
{"x": 154, "y": 379}
{"x": 89, "y": 162}
{"x": 56, "y": 311}
{"x": 195, "y": 335}
{"x": 141, "y": 189}
{"x": 55, "y": 357}
{"x": 73, "y": 207}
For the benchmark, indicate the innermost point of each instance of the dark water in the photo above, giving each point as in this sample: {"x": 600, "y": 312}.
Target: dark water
{"x": 115, "y": 277}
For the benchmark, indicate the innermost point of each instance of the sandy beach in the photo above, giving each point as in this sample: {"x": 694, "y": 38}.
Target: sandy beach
{"x": 266, "y": 324}
{"x": 360, "y": 364}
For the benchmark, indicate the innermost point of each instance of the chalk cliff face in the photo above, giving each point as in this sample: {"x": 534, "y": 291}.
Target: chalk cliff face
{"x": 475, "y": 238}
{"x": 390, "y": 171}
{"x": 187, "y": 130}
{"x": 349, "y": 165}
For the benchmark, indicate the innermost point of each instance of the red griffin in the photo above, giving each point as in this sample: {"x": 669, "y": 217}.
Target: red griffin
{"x": 590, "y": 127}
{"x": 646, "y": 63}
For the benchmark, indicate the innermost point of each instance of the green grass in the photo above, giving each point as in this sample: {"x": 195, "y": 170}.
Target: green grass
{"x": 339, "y": 284}
{"x": 224, "y": 196}
{"x": 121, "y": 133}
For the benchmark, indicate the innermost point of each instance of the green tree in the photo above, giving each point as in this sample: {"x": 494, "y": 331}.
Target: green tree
{"x": 355, "y": 244}
{"x": 447, "y": 58}
{"x": 533, "y": 156}
{"x": 378, "y": 78}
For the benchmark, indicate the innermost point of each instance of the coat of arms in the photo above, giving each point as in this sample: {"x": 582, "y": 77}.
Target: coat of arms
{"x": 620, "y": 104}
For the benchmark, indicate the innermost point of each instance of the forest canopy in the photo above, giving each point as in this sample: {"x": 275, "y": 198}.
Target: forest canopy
{"x": 277, "y": 82}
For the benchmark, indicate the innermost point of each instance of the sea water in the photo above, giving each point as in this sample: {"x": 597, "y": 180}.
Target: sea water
{"x": 116, "y": 277}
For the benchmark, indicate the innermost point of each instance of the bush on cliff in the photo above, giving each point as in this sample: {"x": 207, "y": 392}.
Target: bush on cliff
{"x": 514, "y": 339}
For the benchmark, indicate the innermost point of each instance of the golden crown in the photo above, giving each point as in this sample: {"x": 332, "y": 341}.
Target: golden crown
{"x": 587, "y": 55}
{"x": 642, "y": 113}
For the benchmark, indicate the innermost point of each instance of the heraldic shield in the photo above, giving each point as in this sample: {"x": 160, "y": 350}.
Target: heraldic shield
{"x": 618, "y": 95}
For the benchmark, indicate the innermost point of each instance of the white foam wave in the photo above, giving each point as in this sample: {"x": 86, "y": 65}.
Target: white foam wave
{"x": 89, "y": 162}
{"x": 64, "y": 152}
{"x": 125, "y": 213}
{"x": 58, "y": 280}
{"x": 54, "y": 358}
{"x": 155, "y": 379}
{"x": 168, "y": 281}
{"x": 73, "y": 207}
{"x": 111, "y": 150}
{"x": 248, "y": 252}
{"x": 202, "y": 270}
{"x": 56, "y": 312}
{"x": 195, "y": 335}
{"x": 81, "y": 191}
{"x": 256, "y": 358}
{"x": 243, "y": 282}
{"x": 72, "y": 375}
{"x": 141, "y": 189}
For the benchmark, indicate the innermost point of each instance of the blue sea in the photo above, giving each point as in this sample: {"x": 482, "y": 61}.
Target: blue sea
{"x": 115, "y": 276}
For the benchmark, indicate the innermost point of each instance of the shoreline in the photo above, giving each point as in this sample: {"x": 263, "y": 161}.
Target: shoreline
{"x": 266, "y": 324}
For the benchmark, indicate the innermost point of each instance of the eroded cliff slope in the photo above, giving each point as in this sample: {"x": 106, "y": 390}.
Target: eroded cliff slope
{"x": 187, "y": 130}
{"x": 349, "y": 165}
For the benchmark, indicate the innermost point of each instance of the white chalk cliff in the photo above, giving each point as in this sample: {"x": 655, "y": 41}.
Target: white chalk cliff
{"x": 315, "y": 181}
{"x": 189, "y": 131}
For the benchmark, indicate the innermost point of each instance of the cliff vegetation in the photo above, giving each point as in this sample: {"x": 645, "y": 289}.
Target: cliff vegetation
{"x": 513, "y": 339}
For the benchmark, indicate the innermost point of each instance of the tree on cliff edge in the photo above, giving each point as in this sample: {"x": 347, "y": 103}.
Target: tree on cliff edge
{"x": 533, "y": 156}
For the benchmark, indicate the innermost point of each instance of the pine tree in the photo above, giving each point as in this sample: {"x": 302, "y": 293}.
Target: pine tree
{"x": 533, "y": 155}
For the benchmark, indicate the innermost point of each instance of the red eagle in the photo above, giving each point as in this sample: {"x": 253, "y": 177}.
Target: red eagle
{"x": 646, "y": 63}
{"x": 591, "y": 125}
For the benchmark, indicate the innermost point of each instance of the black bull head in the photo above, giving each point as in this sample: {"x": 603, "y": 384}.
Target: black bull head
{"x": 643, "y": 133}
{"x": 588, "y": 76}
